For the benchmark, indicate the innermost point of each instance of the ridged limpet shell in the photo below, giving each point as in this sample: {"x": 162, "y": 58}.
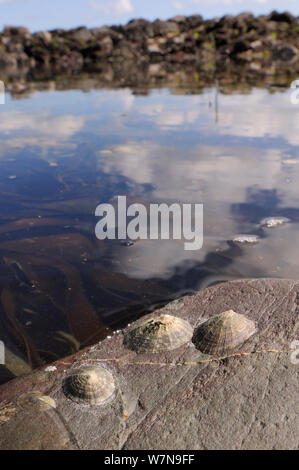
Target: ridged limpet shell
{"x": 90, "y": 385}
{"x": 161, "y": 333}
{"x": 36, "y": 401}
{"x": 223, "y": 333}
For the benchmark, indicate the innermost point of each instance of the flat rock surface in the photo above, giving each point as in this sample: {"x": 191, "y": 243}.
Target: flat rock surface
{"x": 242, "y": 402}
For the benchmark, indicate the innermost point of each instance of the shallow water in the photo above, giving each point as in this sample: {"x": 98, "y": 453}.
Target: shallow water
{"x": 64, "y": 152}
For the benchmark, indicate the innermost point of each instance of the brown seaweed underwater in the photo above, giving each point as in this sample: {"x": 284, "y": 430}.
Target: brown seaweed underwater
{"x": 55, "y": 276}
{"x": 28, "y": 293}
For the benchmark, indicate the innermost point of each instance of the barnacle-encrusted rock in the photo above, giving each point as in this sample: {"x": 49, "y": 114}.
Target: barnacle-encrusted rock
{"x": 178, "y": 402}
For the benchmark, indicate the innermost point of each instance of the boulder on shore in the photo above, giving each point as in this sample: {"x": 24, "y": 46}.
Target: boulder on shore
{"x": 177, "y": 399}
{"x": 177, "y": 40}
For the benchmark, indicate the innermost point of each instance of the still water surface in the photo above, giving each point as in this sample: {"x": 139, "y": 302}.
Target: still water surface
{"x": 64, "y": 152}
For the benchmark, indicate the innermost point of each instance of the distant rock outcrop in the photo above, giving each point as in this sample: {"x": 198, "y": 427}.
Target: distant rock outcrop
{"x": 180, "y": 40}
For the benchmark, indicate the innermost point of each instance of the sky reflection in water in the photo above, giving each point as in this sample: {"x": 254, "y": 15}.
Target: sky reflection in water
{"x": 63, "y": 153}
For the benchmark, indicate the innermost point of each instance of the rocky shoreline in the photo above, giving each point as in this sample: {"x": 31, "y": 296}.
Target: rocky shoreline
{"x": 207, "y": 44}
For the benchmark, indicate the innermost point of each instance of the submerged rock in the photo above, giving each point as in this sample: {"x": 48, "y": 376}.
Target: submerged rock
{"x": 246, "y": 239}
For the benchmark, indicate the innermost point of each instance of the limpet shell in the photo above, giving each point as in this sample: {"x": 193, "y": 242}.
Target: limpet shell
{"x": 159, "y": 334}
{"x": 223, "y": 332}
{"x": 90, "y": 385}
{"x": 246, "y": 239}
{"x": 36, "y": 401}
{"x": 7, "y": 411}
{"x": 271, "y": 222}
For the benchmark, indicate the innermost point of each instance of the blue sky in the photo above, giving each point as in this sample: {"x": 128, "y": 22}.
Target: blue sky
{"x": 50, "y": 14}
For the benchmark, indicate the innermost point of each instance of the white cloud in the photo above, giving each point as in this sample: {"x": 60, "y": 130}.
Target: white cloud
{"x": 203, "y": 3}
{"x": 10, "y": 1}
{"x": 216, "y": 175}
{"x": 19, "y": 128}
{"x": 124, "y": 101}
{"x": 219, "y": 174}
{"x": 255, "y": 115}
{"x": 178, "y": 5}
{"x": 113, "y": 7}
{"x": 169, "y": 118}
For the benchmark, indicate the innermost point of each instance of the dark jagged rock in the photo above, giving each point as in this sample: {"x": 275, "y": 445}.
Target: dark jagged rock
{"x": 16, "y": 31}
{"x": 178, "y": 40}
{"x": 175, "y": 399}
{"x": 282, "y": 17}
{"x": 284, "y": 52}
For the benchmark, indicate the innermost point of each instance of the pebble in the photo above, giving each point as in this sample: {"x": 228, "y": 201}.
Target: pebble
{"x": 127, "y": 243}
{"x": 271, "y": 222}
{"x": 50, "y": 369}
{"x": 248, "y": 239}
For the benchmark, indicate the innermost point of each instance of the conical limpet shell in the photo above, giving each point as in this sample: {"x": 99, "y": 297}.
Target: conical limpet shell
{"x": 92, "y": 385}
{"x": 7, "y": 411}
{"x": 36, "y": 401}
{"x": 223, "y": 332}
{"x": 246, "y": 239}
{"x": 271, "y": 222}
{"x": 159, "y": 334}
